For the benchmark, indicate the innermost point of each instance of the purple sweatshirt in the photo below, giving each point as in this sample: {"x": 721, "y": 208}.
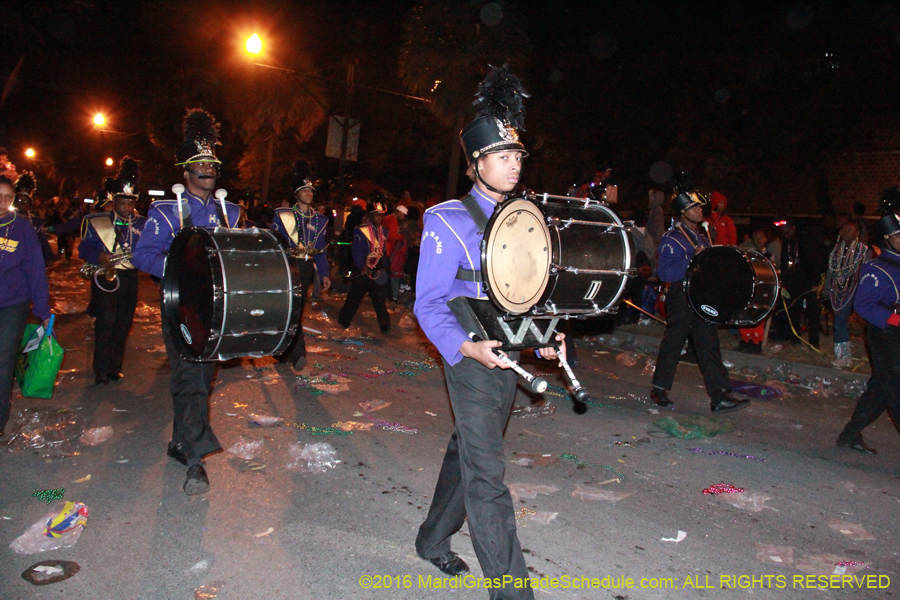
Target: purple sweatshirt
{"x": 23, "y": 275}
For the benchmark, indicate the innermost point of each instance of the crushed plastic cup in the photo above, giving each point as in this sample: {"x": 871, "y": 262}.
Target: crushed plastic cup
{"x": 49, "y": 428}
{"x": 746, "y": 500}
{"x": 530, "y": 490}
{"x": 97, "y": 435}
{"x": 587, "y": 493}
{"x": 246, "y": 449}
{"x": 312, "y": 458}
{"x": 264, "y": 420}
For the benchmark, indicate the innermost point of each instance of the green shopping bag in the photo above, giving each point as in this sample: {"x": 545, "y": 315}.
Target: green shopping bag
{"x": 39, "y": 360}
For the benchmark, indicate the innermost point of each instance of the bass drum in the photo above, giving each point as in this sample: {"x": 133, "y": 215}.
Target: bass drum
{"x": 230, "y": 293}
{"x": 560, "y": 258}
{"x": 732, "y": 286}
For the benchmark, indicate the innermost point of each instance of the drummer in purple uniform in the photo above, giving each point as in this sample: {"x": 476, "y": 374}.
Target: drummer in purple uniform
{"x": 191, "y": 383}
{"x": 676, "y": 249}
{"x": 481, "y": 387}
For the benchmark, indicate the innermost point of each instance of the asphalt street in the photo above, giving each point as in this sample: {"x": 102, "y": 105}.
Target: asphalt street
{"x": 608, "y": 488}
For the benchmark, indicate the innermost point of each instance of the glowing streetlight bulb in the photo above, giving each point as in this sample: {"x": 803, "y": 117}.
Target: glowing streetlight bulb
{"x": 109, "y": 162}
{"x": 30, "y": 153}
{"x": 254, "y": 44}
{"x": 99, "y": 119}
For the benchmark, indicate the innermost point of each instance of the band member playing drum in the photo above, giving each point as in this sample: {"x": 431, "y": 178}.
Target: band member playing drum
{"x": 368, "y": 248}
{"x": 192, "y": 436}
{"x": 878, "y": 302}
{"x": 481, "y": 387}
{"x": 305, "y": 231}
{"x": 677, "y": 247}
{"x": 107, "y": 241}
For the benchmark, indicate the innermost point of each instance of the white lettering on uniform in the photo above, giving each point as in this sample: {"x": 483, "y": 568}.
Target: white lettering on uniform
{"x": 155, "y": 225}
{"x": 869, "y": 275}
{"x": 437, "y": 241}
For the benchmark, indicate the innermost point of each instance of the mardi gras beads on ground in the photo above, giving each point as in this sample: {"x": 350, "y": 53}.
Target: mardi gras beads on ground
{"x": 722, "y": 488}
{"x": 575, "y": 460}
{"x": 50, "y": 495}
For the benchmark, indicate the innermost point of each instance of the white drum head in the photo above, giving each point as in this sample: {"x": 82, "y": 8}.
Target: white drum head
{"x": 517, "y": 255}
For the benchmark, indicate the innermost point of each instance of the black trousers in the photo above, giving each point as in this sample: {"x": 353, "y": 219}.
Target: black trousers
{"x": 781, "y": 327}
{"x": 359, "y": 287}
{"x": 683, "y": 323}
{"x": 114, "y": 314}
{"x": 470, "y": 484}
{"x": 12, "y": 327}
{"x": 883, "y": 390}
{"x": 190, "y": 385}
{"x": 297, "y": 348}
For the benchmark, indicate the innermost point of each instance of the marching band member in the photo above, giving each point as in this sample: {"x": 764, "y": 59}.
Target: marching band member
{"x": 24, "y": 288}
{"x": 676, "y": 249}
{"x": 878, "y": 302}
{"x": 305, "y": 231}
{"x": 192, "y": 436}
{"x": 481, "y": 387}
{"x": 368, "y": 248}
{"x": 107, "y": 241}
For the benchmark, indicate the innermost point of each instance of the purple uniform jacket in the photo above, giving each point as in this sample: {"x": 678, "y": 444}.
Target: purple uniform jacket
{"x": 878, "y": 290}
{"x": 162, "y": 224}
{"x": 310, "y": 230}
{"x": 676, "y": 249}
{"x": 23, "y": 275}
{"x": 450, "y": 240}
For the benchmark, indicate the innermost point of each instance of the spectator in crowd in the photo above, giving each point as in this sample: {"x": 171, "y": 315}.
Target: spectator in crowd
{"x": 722, "y": 225}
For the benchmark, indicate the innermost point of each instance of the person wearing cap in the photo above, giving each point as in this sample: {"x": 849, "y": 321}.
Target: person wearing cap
{"x": 106, "y": 239}
{"x": 191, "y": 382}
{"x": 306, "y": 232}
{"x": 725, "y": 231}
{"x": 676, "y": 250}
{"x": 368, "y": 249}
{"x": 481, "y": 387}
{"x": 878, "y": 302}
{"x": 24, "y": 205}
{"x": 24, "y": 288}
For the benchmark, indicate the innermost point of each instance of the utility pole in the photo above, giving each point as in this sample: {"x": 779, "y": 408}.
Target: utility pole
{"x": 345, "y": 131}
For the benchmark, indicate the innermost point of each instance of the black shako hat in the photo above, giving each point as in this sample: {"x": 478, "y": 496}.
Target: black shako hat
{"x": 884, "y": 227}
{"x": 499, "y": 118}
{"x": 26, "y": 184}
{"x": 201, "y": 136}
{"x": 302, "y": 176}
{"x": 125, "y": 183}
{"x": 686, "y": 196}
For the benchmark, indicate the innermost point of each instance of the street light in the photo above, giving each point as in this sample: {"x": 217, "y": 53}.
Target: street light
{"x": 99, "y": 119}
{"x": 30, "y": 153}
{"x": 109, "y": 162}
{"x": 254, "y": 44}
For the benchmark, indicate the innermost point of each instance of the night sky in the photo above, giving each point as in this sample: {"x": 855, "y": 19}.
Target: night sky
{"x": 760, "y": 100}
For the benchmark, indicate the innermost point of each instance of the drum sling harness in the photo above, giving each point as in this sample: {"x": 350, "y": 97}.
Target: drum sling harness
{"x": 481, "y": 220}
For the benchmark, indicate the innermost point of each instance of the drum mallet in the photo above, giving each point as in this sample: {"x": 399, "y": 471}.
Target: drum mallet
{"x": 633, "y": 305}
{"x": 178, "y": 190}
{"x": 538, "y": 384}
{"x": 221, "y": 194}
{"x": 581, "y": 394}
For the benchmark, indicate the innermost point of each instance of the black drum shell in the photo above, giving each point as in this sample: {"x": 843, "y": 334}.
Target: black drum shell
{"x": 232, "y": 291}
{"x": 728, "y": 285}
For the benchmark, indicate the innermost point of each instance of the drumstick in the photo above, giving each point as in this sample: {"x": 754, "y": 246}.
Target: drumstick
{"x": 581, "y": 394}
{"x": 654, "y": 317}
{"x": 538, "y": 384}
{"x": 220, "y": 194}
{"x": 179, "y": 190}
{"x": 708, "y": 236}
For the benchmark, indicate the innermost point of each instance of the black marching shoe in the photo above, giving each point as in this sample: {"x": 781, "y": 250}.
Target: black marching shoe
{"x": 859, "y": 445}
{"x": 660, "y": 397}
{"x": 450, "y": 563}
{"x": 196, "y": 481}
{"x": 728, "y": 404}
{"x": 104, "y": 379}
{"x": 177, "y": 453}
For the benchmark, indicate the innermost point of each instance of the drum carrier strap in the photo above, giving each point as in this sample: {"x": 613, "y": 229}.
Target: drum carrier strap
{"x": 481, "y": 220}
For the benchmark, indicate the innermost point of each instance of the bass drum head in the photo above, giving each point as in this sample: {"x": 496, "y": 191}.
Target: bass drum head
{"x": 719, "y": 284}
{"x": 515, "y": 258}
{"x": 188, "y": 298}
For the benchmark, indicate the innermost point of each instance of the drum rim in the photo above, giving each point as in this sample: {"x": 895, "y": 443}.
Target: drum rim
{"x": 488, "y": 277}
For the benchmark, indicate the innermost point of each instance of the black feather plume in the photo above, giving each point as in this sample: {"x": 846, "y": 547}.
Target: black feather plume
{"x": 26, "y": 183}
{"x": 129, "y": 170}
{"x": 302, "y": 170}
{"x": 201, "y": 126}
{"x": 111, "y": 186}
{"x": 501, "y": 96}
